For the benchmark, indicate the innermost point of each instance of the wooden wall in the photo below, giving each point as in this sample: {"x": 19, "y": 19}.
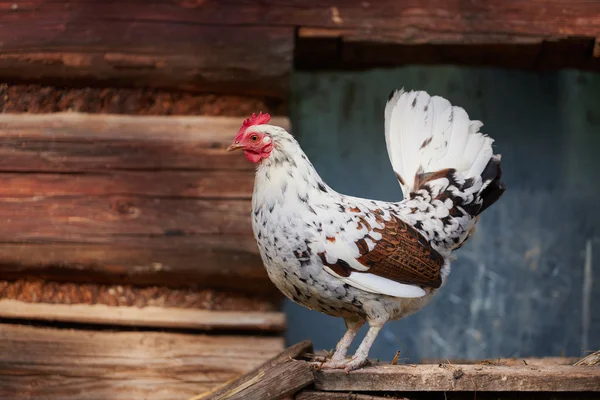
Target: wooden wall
{"x": 127, "y": 264}
{"x": 127, "y": 268}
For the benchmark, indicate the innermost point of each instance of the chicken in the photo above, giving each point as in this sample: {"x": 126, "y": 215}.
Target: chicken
{"x": 367, "y": 260}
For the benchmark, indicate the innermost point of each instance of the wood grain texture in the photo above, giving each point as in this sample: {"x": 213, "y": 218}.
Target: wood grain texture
{"x": 121, "y": 199}
{"x": 447, "y": 377}
{"x": 203, "y": 261}
{"x": 314, "y": 395}
{"x": 68, "y": 364}
{"x": 274, "y": 383}
{"x": 77, "y": 142}
{"x": 90, "y": 43}
{"x": 413, "y": 21}
{"x": 265, "y": 376}
{"x": 158, "y": 317}
{"x": 511, "y": 362}
{"x": 247, "y": 47}
{"x": 175, "y": 184}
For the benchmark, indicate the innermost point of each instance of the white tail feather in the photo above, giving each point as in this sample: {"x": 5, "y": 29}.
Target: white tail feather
{"x": 426, "y": 134}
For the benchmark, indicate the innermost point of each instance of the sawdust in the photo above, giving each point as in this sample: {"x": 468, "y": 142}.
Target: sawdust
{"x": 48, "y": 99}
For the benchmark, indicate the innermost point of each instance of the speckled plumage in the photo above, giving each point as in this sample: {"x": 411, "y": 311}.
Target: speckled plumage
{"x": 368, "y": 260}
{"x": 293, "y": 214}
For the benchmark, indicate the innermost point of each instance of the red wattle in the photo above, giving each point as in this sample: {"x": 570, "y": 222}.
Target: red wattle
{"x": 252, "y": 157}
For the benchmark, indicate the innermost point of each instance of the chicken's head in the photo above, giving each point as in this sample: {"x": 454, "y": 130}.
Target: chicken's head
{"x": 253, "y": 138}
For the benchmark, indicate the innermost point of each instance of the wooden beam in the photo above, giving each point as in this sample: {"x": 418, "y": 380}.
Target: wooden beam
{"x": 226, "y": 262}
{"x": 227, "y": 46}
{"x": 275, "y": 379}
{"x": 410, "y": 21}
{"x": 157, "y": 317}
{"x": 321, "y": 50}
{"x": 232, "y": 184}
{"x": 121, "y": 199}
{"x": 94, "y": 218}
{"x": 531, "y": 361}
{"x": 76, "y": 142}
{"x": 449, "y": 377}
{"x": 89, "y": 44}
{"x": 72, "y": 364}
{"x": 314, "y": 395}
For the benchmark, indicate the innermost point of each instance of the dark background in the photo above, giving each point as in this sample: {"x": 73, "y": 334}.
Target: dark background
{"x": 527, "y": 283}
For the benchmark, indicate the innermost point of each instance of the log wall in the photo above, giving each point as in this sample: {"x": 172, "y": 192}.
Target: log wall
{"x": 121, "y": 214}
{"x": 250, "y": 47}
{"x": 124, "y": 199}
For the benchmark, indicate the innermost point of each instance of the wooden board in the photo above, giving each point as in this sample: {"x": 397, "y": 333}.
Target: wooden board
{"x": 313, "y": 395}
{"x": 71, "y": 365}
{"x": 447, "y": 377}
{"x": 84, "y": 43}
{"x": 120, "y": 199}
{"x": 473, "y": 395}
{"x": 77, "y": 142}
{"x": 530, "y": 361}
{"x": 412, "y": 21}
{"x": 227, "y": 46}
{"x": 277, "y": 378}
{"x": 203, "y": 261}
{"x": 158, "y": 317}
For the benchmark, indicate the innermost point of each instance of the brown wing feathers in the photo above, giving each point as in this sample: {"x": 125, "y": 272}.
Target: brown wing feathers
{"x": 403, "y": 255}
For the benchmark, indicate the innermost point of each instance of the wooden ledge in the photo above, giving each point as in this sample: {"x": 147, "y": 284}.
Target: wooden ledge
{"x": 71, "y": 364}
{"x": 450, "y": 377}
{"x": 157, "y": 317}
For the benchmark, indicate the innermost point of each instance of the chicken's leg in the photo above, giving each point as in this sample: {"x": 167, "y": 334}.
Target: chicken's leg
{"x": 338, "y": 360}
{"x": 360, "y": 357}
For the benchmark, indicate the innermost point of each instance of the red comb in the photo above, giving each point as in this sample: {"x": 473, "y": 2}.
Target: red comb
{"x": 253, "y": 120}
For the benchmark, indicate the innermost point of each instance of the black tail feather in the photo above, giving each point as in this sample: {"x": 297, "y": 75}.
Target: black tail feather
{"x": 492, "y": 172}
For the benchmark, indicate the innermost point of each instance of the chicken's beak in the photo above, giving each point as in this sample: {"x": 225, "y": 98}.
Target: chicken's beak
{"x": 235, "y": 146}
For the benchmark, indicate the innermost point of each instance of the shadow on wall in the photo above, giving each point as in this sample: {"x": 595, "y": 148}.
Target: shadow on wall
{"x": 524, "y": 284}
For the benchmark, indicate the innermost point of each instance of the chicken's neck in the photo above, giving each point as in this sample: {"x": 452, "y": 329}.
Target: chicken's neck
{"x": 287, "y": 178}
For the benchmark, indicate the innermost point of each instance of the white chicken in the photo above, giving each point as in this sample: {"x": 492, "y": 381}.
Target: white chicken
{"x": 367, "y": 260}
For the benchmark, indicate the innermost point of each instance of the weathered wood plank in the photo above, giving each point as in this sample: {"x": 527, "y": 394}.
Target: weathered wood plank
{"x": 164, "y": 184}
{"x": 225, "y": 262}
{"x": 76, "y": 142}
{"x": 246, "y": 47}
{"x": 448, "y": 377}
{"x": 242, "y": 388}
{"x": 90, "y": 47}
{"x": 274, "y": 383}
{"x": 122, "y": 199}
{"x": 159, "y": 317}
{"x": 313, "y": 395}
{"x": 413, "y": 21}
{"x": 321, "y": 50}
{"x": 71, "y": 364}
{"x": 531, "y": 361}
{"x": 90, "y": 219}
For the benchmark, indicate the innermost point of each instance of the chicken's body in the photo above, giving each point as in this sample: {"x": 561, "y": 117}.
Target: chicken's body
{"x": 366, "y": 260}
{"x": 292, "y": 221}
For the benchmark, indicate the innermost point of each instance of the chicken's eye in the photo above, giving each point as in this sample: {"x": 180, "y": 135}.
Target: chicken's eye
{"x": 254, "y": 138}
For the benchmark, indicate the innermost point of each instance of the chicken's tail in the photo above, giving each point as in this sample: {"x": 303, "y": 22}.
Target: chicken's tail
{"x": 442, "y": 159}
